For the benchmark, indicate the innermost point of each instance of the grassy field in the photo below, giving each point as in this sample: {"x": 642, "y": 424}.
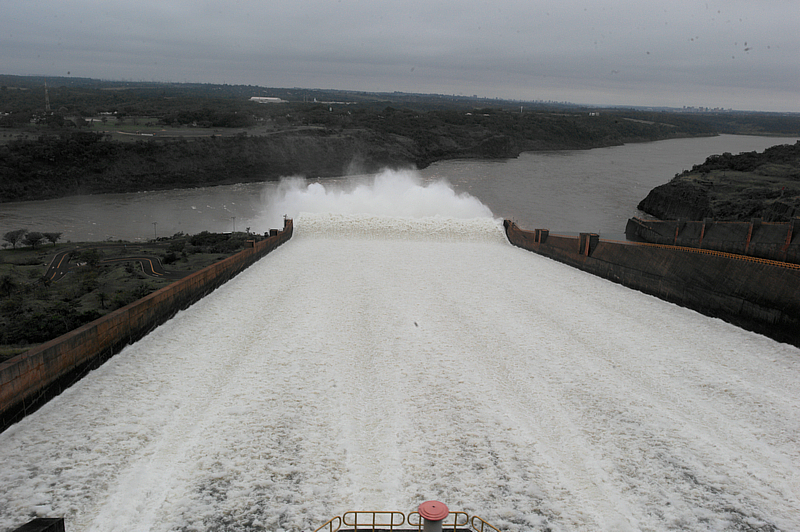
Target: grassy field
{"x": 101, "y": 277}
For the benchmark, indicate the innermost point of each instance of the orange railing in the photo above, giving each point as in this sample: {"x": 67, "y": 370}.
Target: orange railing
{"x": 373, "y": 520}
{"x": 452, "y": 522}
{"x": 333, "y": 521}
{"x": 390, "y": 520}
{"x": 747, "y": 258}
{"x": 479, "y": 525}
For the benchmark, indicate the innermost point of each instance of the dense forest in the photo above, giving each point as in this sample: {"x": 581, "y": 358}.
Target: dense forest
{"x": 81, "y": 136}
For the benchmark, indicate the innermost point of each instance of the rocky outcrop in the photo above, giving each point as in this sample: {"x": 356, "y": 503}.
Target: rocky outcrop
{"x": 733, "y": 187}
{"x": 676, "y": 200}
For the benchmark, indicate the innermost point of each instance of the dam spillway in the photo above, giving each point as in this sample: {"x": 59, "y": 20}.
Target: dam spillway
{"x": 372, "y": 363}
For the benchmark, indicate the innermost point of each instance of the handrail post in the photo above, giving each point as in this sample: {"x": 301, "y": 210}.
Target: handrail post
{"x": 433, "y": 513}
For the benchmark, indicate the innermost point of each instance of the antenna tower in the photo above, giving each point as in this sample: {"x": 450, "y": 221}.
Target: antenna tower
{"x": 46, "y": 98}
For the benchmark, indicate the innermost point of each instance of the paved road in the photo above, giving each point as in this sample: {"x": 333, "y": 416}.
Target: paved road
{"x": 59, "y": 266}
{"x": 151, "y": 266}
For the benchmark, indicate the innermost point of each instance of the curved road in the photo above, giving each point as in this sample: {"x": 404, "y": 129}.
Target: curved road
{"x": 60, "y": 265}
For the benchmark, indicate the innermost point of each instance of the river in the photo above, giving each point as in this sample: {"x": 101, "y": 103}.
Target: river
{"x": 588, "y": 190}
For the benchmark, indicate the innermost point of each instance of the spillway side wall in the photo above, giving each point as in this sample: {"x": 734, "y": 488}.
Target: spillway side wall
{"x": 774, "y": 241}
{"x": 28, "y": 380}
{"x": 752, "y": 294}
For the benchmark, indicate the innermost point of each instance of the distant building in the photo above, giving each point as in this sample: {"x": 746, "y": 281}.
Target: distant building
{"x": 265, "y": 99}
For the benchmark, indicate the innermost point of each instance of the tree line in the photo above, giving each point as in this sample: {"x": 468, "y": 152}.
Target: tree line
{"x": 29, "y": 238}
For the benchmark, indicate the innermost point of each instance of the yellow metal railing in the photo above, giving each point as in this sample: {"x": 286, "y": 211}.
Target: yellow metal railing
{"x": 704, "y": 251}
{"x": 373, "y": 520}
{"x": 746, "y": 258}
{"x": 333, "y": 521}
{"x": 479, "y": 525}
{"x": 451, "y": 522}
{"x": 389, "y": 520}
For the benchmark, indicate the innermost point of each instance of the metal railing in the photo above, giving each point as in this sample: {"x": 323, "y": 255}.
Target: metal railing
{"x": 479, "y": 525}
{"x": 374, "y": 520}
{"x": 330, "y": 524}
{"x": 452, "y": 522}
{"x": 746, "y": 258}
{"x": 390, "y": 520}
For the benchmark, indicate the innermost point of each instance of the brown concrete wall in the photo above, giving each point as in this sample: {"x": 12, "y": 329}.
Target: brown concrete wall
{"x": 28, "y": 379}
{"x": 774, "y": 241}
{"x": 756, "y": 294}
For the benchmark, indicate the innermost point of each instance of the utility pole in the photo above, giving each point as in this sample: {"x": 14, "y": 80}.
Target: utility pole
{"x": 154, "y": 230}
{"x": 234, "y": 223}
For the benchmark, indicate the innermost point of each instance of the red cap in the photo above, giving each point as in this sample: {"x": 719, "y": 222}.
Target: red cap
{"x": 433, "y": 510}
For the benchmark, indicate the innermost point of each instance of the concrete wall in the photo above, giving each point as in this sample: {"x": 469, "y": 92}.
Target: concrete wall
{"x": 28, "y": 380}
{"x": 774, "y": 241}
{"x": 756, "y": 294}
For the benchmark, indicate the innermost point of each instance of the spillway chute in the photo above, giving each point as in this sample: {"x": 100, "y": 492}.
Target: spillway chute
{"x": 374, "y": 227}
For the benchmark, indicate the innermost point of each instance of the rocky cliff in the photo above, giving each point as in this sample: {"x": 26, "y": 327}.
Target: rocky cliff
{"x": 733, "y": 187}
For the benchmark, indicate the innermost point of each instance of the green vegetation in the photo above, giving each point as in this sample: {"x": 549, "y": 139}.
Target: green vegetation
{"x": 102, "y": 277}
{"x": 733, "y": 187}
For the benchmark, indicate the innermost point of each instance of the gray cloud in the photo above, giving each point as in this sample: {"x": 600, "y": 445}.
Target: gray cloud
{"x": 740, "y": 54}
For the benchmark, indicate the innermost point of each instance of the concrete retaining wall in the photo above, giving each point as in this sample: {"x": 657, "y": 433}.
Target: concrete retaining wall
{"x": 30, "y": 379}
{"x": 774, "y": 241}
{"x": 755, "y": 294}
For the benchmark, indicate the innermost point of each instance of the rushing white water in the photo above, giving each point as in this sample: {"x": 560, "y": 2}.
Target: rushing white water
{"x": 368, "y": 365}
{"x": 392, "y": 193}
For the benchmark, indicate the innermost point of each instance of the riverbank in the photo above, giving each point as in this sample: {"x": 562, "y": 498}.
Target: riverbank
{"x": 74, "y": 162}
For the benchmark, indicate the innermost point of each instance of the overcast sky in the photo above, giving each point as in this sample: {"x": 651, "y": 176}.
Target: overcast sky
{"x": 741, "y": 54}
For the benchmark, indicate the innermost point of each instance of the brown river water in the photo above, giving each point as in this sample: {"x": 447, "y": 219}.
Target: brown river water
{"x": 567, "y": 191}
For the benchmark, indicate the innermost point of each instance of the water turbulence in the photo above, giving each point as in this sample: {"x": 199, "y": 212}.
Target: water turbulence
{"x": 397, "y": 350}
{"x": 397, "y": 194}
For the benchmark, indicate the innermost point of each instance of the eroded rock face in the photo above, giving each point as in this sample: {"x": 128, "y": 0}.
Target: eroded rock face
{"x": 677, "y": 199}
{"x": 733, "y": 187}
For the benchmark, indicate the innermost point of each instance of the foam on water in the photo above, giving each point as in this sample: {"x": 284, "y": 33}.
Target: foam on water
{"x": 363, "y": 365}
{"x": 391, "y": 193}
{"x": 391, "y": 205}
{"x": 370, "y": 227}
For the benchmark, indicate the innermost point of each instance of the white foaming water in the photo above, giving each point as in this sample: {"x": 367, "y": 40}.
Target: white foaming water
{"x": 429, "y": 228}
{"x": 398, "y": 194}
{"x": 372, "y": 368}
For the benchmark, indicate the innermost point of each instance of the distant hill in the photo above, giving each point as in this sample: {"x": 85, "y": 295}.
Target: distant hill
{"x": 733, "y": 187}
